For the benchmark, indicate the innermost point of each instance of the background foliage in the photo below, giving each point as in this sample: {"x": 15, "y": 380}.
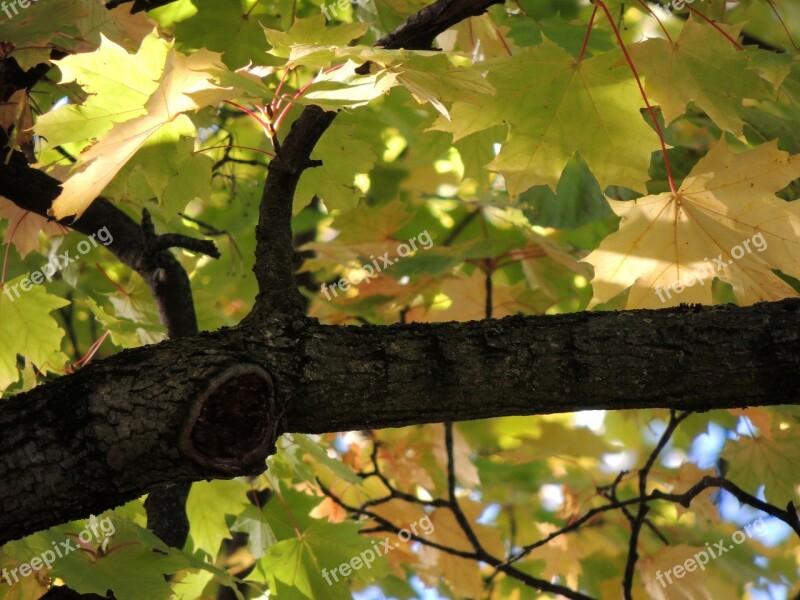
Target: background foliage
{"x": 174, "y": 111}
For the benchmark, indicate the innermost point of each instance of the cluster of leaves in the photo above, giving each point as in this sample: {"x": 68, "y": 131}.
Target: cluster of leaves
{"x": 557, "y": 159}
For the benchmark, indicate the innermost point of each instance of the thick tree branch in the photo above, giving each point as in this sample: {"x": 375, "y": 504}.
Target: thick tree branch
{"x": 120, "y": 434}
{"x": 274, "y": 266}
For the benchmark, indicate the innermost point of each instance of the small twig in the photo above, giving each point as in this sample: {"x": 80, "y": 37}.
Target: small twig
{"x": 461, "y": 518}
{"x": 636, "y": 524}
{"x": 389, "y": 526}
{"x": 156, "y": 243}
{"x": 529, "y": 580}
{"x": 176, "y": 240}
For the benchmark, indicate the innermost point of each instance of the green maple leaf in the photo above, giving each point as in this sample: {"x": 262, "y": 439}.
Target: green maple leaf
{"x": 232, "y": 28}
{"x": 702, "y": 67}
{"x": 293, "y": 567}
{"x": 132, "y": 572}
{"x": 206, "y": 507}
{"x": 343, "y": 156}
{"x": 167, "y": 169}
{"x": 431, "y": 77}
{"x": 313, "y": 31}
{"x": 125, "y": 333}
{"x": 26, "y": 328}
{"x": 117, "y": 85}
{"x": 556, "y": 107}
{"x": 187, "y": 83}
{"x": 771, "y": 462}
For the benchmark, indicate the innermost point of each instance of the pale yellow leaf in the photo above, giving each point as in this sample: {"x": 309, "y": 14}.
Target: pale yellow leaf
{"x": 24, "y": 227}
{"x": 187, "y": 83}
{"x": 725, "y": 222}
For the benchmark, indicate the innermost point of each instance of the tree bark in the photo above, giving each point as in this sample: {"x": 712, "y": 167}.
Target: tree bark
{"x": 110, "y": 432}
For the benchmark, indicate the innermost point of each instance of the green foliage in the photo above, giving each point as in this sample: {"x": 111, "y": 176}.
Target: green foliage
{"x": 525, "y": 150}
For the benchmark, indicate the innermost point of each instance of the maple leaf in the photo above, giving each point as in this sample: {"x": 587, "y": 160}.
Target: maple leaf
{"x": 25, "y": 227}
{"x": 725, "y": 222}
{"x": 561, "y": 556}
{"x": 117, "y": 85}
{"x": 16, "y": 118}
{"x": 343, "y": 156}
{"x": 312, "y": 30}
{"x": 481, "y": 35}
{"x": 653, "y": 571}
{"x": 403, "y": 515}
{"x": 769, "y": 462}
{"x": 431, "y": 77}
{"x": 26, "y": 327}
{"x": 556, "y": 107}
{"x": 468, "y": 295}
{"x": 187, "y": 83}
{"x": 701, "y": 67}
{"x": 466, "y": 472}
{"x": 463, "y": 575}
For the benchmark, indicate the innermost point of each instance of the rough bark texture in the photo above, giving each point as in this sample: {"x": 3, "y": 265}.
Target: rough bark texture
{"x": 110, "y": 432}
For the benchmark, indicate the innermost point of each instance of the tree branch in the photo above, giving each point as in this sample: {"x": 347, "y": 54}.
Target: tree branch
{"x": 35, "y": 191}
{"x": 119, "y": 436}
{"x": 451, "y": 503}
{"x": 274, "y": 268}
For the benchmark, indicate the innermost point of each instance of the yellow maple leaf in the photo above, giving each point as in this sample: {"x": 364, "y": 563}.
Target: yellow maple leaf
{"x": 410, "y": 517}
{"x": 724, "y": 222}
{"x": 462, "y": 574}
{"x": 24, "y": 227}
{"x": 666, "y": 577}
{"x": 702, "y": 508}
{"x": 561, "y": 556}
{"x": 468, "y": 295}
{"x": 187, "y": 83}
{"x": 466, "y": 471}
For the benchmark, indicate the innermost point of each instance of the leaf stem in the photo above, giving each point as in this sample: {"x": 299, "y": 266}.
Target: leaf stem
{"x": 588, "y": 34}
{"x": 277, "y": 101}
{"x": 247, "y": 14}
{"x": 8, "y": 246}
{"x": 502, "y": 40}
{"x": 783, "y": 24}
{"x": 262, "y": 122}
{"x": 114, "y": 283}
{"x": 86, "y": 358}
{"x": 299, "y": 93}
{"x": 650, "y": 110}
{"x": 270, "y": 154}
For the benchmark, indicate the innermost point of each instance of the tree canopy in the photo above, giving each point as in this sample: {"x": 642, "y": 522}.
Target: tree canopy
{"x": 374, "y": 298}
